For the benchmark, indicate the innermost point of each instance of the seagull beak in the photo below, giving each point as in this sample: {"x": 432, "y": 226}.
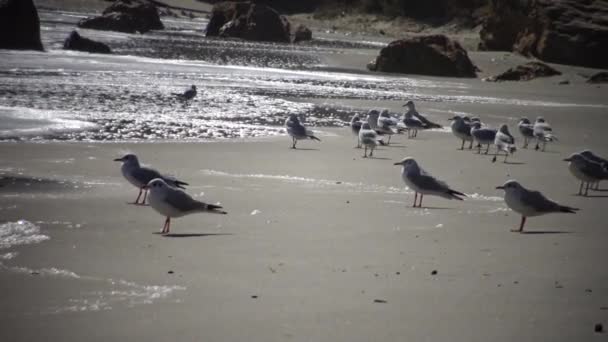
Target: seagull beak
{"x": 398, "y": 163}
{"x": 568, "y": 159}
{"x": 451, "y": 119}
{"x": 500, "y": 187}
{"x": 118, "y": 159}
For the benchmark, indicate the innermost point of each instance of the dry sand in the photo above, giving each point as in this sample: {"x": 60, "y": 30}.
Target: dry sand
{"x": 325, "y": 242}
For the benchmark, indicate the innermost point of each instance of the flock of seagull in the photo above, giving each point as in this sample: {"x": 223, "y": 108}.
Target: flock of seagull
{"x": 165, "y": 193}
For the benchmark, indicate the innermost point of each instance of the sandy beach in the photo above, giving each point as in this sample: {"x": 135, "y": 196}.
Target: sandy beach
{"x": 319, "y": 244}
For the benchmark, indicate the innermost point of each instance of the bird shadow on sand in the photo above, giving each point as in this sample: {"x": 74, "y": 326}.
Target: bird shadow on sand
{"x": 395, "y": 145}
{"x": 596, "y": 196}
{"x": 513, "y": 163}
{"x": 378, "y": 158}
{"x": 189, "y": 235}
{"x": 433, "y": 208}
{"x": 304, "y": 149}
{"x": 541, "y": 232}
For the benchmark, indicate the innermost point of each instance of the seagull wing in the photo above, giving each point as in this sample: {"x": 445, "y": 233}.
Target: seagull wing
{"x": 145, "y": 174}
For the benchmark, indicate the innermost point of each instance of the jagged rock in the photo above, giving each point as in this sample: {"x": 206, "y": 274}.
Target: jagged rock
{"x": 525, "y": 72}
{"x": 76, "y": 42}
{"x": 558, "y": 31}
{"x": 434, "y": 55}
{"x": 600, "y": 77}
{"x": 19, "y": 25}
{"x": 302, "y": 33}
{"x": 126, "y": 16}
{"x": 249, "y": 21}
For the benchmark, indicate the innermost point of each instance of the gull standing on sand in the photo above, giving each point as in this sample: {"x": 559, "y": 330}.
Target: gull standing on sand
{"x": 387, "y": 125}
{"x": 369, "y": 138}
{"x": 172, "y": 202}
{"x": 526, "y": 128}
{"x": 355, "y": 127}
{"x": 422, "y": 182}
{"x": 462, "y": 130}
{"x": 594, "y": 157}
{"x": 189, "y": 94}
{"x": 543, "y": 133}
{"x": 483, "y": 136}
{"x": 140, "y": 176}
{"x": 586, "y": 170}
{"x": 297, "y": 131}
{"x": 504, "y": 142}
{"x": 529, "y": 203}
{"x": 412, "y": 113}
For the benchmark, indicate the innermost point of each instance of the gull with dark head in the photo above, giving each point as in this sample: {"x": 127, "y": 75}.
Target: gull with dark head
{"x": 529, "y": 203}
{"x": 423, "y": 183}
{"x": 543, "y": 133}
{"x": 355, "y": 127}
{"x": 297, "y": 131}
{"x": 504, "y": 142}
{"x": 140, "y": 176}
{"x": 461, "y": 129}
{"x": 416, "y": 121}
{"x": 189, "y": 94}
{"x": 587, "y": 171}
{"x": 526, "y": 128}
{"x": 171, "y": 202}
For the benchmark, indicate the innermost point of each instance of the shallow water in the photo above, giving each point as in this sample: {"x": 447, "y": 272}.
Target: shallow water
{"x": 246, "y": 89}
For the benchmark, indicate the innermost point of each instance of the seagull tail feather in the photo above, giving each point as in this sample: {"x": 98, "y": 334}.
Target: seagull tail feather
{"x": 212, "y": 208}
{"x": 456, "y": 194}
{"x": 570, "y": 210}
{"x": 314, "y": 138}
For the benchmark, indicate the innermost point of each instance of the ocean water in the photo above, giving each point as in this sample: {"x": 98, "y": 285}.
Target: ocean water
{"x": 246, "y": 89}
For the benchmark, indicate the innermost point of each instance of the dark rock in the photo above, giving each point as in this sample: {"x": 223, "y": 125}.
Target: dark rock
{"x": 598, "y": 328}
{"x": 600, "y": 77}
{"x": 434, "y": 272}
{"x": 249, "y": 21}
{"x": 525, "y": 72}
{"x": 170, "y": 272}
{"x": 434, "y": 55}
{"x": 19, "y": 25}
{"x": 558, "y": 31}
{"x": 76, "y": 42}
{"x": 302, "y": 33}
{"x": 126, "y": 16}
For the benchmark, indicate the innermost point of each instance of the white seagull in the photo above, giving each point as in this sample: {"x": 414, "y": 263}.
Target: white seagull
{"x": 368, "y": 138}
{"x": 529, "y": 203}
{"x": 172, "y": 202}
{"x": 543, "y": 133}
{"x": 422, "y": 182}
{"x": 355, "y": 127}
{"x": 140, "y": 176}
{"x": 504, "y": 142}
{"x": 297, "y": 131}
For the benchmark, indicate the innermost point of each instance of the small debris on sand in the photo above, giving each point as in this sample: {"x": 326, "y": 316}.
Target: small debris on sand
{"x": 434, "y": 272}
{"x": 170, "y": 272}
{"x": 380, "y": 301}
{"x": 599, "y": 328}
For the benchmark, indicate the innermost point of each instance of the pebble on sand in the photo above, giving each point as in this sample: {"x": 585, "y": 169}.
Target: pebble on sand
{"x": 434, "y": 272}
{"x": 379, "y": 301}
{"x": 599, "y": 328}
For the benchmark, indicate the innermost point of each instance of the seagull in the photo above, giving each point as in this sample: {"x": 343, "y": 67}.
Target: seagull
{"x": 188, "y": 94}
{"x": 504, "y": 142}
{"x": 426, "y": 123}
{"x": 140, "y": 176}
{"x": 386, "y": 124}
{"x": 172, "y": 202}
{"x": 369, "y": 138}
{"x": 527, "y": 130}
{"x": 462, "y": 130}
{"x": 594, "y": 157}
{"x": 297, "y": 131}
{"x": 529, "y": 203}
{"x": 412, "y": 124}
{"x": 483, "y": 136}
{"x": 543, "y": 133}
{"x": 586, "y": 170}
{"x": 422, "y": 182}
{"x": 355, "y": 127}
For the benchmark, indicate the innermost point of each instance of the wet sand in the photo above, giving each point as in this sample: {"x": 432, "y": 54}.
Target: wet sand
{"x": 313, "y": 238}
